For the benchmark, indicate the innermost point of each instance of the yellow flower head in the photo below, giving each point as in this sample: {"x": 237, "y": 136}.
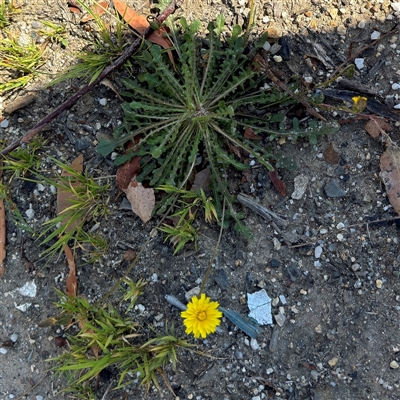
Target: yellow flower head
{"x": 201, "y": 317}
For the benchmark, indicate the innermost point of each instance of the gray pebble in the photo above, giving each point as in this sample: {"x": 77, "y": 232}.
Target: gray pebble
{"x": 221, "y": 279}
{"x": 293, "y": 272}
{"x": 333, "y": 190}
{"x": 36, "y": 25}
{"x": 81, "y": 144}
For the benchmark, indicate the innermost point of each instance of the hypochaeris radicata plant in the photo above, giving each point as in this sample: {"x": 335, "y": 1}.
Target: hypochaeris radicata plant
{"x": 198, "y": 109}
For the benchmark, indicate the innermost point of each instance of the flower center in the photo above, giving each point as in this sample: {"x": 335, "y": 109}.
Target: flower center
{"x": 201, "y": 315}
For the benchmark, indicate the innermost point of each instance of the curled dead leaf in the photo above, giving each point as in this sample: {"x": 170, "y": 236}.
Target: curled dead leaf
{"x": 142, "y": 199}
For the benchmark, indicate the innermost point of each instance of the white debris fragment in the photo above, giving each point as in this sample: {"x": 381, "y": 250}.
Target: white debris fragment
{"x": 29, "y": 290}
{"x": 359, "y": 63}
{"x": 103, "y": 101}
{"x": 396, "y": 86}
{"x": 3, "y": 350}
{"x": 277, "y": 59}
{"x": 30, "y": 213}
{"x": 22, "y": 307}
{"x": 282, "y": 298}
{"x": 300, "y": 186}
{"x": 259, "y": 304}
{"x": 375, "y": 35}
{"x": 4, "y": 123}
{"x": 192, "y": 292}
{"x": 397, "y": 107}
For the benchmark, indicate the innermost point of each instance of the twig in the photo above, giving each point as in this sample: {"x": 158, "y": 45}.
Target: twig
{"x": 260, "y": 210}
{"x": 173, "y": 5}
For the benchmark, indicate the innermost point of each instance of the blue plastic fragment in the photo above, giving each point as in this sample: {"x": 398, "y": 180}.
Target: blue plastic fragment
{"x": 242, "y": 323}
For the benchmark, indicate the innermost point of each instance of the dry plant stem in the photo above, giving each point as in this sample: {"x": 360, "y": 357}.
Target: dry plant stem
{"x": 267, "y": 71}
{"x": 170, "y": 9}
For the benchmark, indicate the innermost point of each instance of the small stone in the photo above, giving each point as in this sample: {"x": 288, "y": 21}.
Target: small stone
{"x": 3, "y": 350}
{"x": 333, "y": 190}
{"x": 274, "y": 263}
{"x": 280, "y": 319}
{"x": 303, "y": 292}
{"x": 141, "y": 308}
{"x": 362, "y": 24}
{"x": 318, "y": 252}
{"x": 396, "y": 6}
{"x": 103, "y": 101}
{"x": 221, "y": 279}
{"x": 375, "y": 35}
{"x": 394, "y": 365}
{"x": 300, "y": 186}
{"x": 396, "y": 86}
{"x": 36, "y": 25}
{"x": 267, "y": 46}
{"x": 293, "y": 272}
{"x": 14, "y": 337}
{"x": 277, "y": 244}
{"x": 318, "y": 328}
{"x": 333, "y": 361}
{"x": 278, "y": 59}
{"x": 379, "y": 283}
{"x": 397, "y": 107}
{"x": 4, "y": 123}
{"x": 269, "y": 371}
{"x": 254, "y": 345}
{"x": 81, "y": 144}
{"x": 39, "y": 397}
{"x": 192, "y": 292}
{"x": 314, "y": 374}
{"x": 359, "y": 63}
{"x": 282, "y": 298}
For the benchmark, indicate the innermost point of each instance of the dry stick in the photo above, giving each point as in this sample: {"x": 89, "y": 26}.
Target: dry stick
{"x": 173, "y": 5}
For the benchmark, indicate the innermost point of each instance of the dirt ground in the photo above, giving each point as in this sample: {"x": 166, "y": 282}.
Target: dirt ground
{"x": 333, "y": 275}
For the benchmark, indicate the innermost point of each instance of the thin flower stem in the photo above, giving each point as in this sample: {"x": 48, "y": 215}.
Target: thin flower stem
{"x": 215, "y": 250}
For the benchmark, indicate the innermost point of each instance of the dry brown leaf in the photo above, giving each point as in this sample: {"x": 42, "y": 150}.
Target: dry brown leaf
{"x": 97, "y": 9}
{"x": 279, "y": 185}
{"x": 331, "y": 155}
{"x": 140, "y": 24}
{"x": 71, "y": 282}
{"x": 390, "y": 174}
{"x": 201, "y": 180}
{"x": 376, "y": 126}
{"x": 64, "y": 197}
{"x": 142, "y": 199}
{"x": 249, "y": 134}
{"x": 126, "y": 172}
